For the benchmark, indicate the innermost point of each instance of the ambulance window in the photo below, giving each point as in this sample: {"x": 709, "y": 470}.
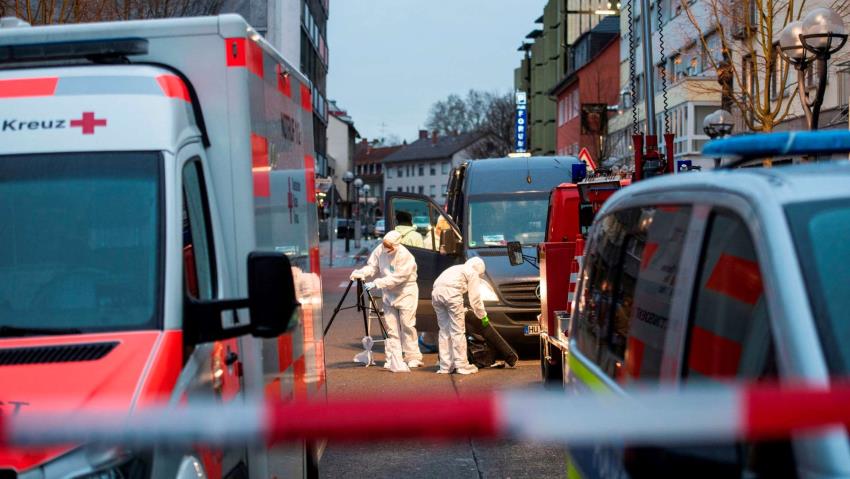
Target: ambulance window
{"x": 198, "y": 252}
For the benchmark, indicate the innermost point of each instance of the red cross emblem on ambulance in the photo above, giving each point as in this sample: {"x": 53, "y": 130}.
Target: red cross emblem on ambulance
{"x": 88, "y": 123}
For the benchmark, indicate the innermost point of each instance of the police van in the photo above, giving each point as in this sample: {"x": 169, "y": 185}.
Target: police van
{"x": 711, "y": 277}
{"x": 158, "y": 235}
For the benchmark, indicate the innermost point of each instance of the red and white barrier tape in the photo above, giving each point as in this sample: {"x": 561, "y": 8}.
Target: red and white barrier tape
{"x": 645, "y": 417}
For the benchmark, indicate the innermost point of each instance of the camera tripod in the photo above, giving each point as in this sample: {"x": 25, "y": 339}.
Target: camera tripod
{"x": 368, "y": 310}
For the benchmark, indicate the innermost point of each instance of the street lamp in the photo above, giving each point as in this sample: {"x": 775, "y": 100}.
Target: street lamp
{"x": 358, "y": 183}
{"x": 368, "y": 209}
{"x": 347, "y": 177}
{"x": 718, "y": 125}
{"x": 812, "y": 40}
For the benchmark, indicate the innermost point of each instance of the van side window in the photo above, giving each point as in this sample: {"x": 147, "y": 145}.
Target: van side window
{"x": 198, "y": 251}
{"x": 633, "y": 271}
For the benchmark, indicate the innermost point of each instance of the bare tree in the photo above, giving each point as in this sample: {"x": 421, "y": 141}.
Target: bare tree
{"x": 487, "y": 113}
{"x": 45, "y": 12}
{"x": 740, "y": 44}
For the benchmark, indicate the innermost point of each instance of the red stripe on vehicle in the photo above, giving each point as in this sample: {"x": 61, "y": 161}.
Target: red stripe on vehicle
{"x": 173, "y": 87}
{"x": 28, "y": 87}
{"x": 736, "y": 277}
{"x": 310, "y": 178}
{"x": 255, "y": 59}
{"x": 260, "y": 165}
{"x": 649, "y": 251}
{"x": 668, "y": 208}
{"x": 284, "y": 83}
{"x": 713, "y": 355}
{"x": 772, "y": 411}
{"x": 634, "y": 357}
{"x": 315, "y": 262}
{"x": 235, "y": 52}
{"x": 345, "y": 420}
{"x": 306, "y": 98}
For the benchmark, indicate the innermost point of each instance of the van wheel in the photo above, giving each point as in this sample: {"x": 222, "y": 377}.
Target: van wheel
{"x": 551, "y": 369}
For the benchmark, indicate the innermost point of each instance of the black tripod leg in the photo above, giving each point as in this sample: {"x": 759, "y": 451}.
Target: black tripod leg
{"x": 361, "y": 305}
{"x": 379, "y": 314}
{"x": 338, "y": 307}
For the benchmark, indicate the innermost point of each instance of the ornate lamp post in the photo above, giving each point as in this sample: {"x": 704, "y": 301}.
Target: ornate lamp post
{"x": 348, "y": 177}
{"x": 358, "y": 183}
{"x": 367, "y": 213}
{"x": 718, "y": 125}
{"x": 812, "y": 40}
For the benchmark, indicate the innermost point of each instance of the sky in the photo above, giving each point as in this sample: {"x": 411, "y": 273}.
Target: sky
{"x": 390, "y": 60}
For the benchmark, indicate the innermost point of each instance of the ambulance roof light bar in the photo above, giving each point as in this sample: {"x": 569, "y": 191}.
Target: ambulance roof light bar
{"x": 88, "y": 49}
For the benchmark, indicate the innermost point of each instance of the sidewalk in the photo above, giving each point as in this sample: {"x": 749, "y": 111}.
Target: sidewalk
{"x": 341, "y": 259}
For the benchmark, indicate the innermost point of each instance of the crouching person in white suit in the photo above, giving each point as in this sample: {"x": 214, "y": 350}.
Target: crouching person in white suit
{"x": 395, "y": 269}
{"x": 447, "y": 298}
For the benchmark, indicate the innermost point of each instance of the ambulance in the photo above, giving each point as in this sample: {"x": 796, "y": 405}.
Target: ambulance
{"x": 158, "y": 235}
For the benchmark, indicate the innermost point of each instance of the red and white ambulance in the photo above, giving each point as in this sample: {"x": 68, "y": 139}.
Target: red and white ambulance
{"x": 157, "y": 234}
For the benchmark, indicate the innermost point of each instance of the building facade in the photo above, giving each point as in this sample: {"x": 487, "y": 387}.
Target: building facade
{"x": 297, "y": 29}
{"x": 424, "y": 166}
{"x": 585, "y": 93}
{"x": 342, "y": 136}
{"x": 368, "y": 165}
{"x": 547, "y": 58}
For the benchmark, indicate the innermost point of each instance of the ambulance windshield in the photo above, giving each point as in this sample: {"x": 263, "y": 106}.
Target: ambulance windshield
{"x": 79, "y": 242}
{"x": 821, "y": 230}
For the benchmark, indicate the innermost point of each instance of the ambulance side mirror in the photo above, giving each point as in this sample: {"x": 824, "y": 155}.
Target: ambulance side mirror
{"x": 271, "y": 294}
{"x": 271, "y": 303}
{"x": 515, "y": 253}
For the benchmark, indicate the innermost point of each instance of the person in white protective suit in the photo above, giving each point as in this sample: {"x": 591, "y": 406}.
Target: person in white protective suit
{"x": 447, "y": 298}
{"x": 395, "y": 269}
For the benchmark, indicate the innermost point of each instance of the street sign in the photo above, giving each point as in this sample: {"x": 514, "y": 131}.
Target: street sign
{"x": 521, "y": 123}
{"x": 584, "y": 156}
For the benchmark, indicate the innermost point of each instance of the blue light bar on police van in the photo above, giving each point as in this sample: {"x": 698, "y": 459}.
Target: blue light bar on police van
{"x": 786, "y": 143}
{"x": 112, "y": 47}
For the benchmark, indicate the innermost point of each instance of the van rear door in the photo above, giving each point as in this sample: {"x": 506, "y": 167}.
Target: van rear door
{"x": 433, "y": 239}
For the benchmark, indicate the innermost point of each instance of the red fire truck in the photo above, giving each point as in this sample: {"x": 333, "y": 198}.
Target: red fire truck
{"x": 571, "y": 210}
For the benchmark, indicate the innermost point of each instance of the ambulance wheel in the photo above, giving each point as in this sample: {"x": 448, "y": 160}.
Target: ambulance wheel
{"x": 551, "y": 369}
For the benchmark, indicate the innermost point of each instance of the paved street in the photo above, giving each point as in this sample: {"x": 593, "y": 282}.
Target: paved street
{"x": 415, "y": 459}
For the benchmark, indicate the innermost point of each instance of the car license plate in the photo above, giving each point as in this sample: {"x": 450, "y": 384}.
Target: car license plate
{"x": 532, "y": 330}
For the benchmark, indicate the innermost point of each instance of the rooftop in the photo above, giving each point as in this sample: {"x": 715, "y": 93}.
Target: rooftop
{"x": 433, "y": 148}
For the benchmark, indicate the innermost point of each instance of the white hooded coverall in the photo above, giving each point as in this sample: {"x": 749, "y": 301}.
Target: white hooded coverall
{"x": 447, "y": 298}
{"x": 396, "y": 273}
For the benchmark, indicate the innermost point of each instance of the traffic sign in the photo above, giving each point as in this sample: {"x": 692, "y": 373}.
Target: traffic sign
{"x": 584, "y": 155}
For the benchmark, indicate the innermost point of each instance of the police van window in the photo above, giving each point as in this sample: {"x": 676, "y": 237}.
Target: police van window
{"x": 643, "y": 286}
{"x": 729, "y": 334}
{"x": 198, "y": 251}
{"x": 596, "y": 299}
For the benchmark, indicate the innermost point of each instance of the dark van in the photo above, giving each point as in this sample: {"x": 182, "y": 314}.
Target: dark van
{"x": 488, "y": 204}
